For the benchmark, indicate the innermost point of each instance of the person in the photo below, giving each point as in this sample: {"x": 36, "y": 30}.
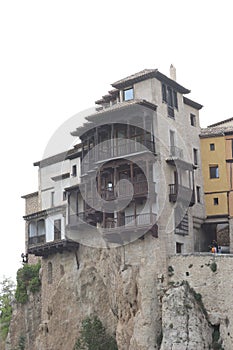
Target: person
{"x": 215, "y": 246}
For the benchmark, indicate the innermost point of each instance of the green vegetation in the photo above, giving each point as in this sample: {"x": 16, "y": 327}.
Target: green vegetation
{"x": 93, "y": 336}
{"x": 27, "y": 281}
{"x": 21, "y": 343}
{"x": 7, "y": 289}
{"x": 213, "y": 267}
{"x": 216, "y": 341}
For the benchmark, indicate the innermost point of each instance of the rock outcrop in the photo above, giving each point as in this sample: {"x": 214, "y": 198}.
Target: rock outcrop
{"x": 184, "y": 322}
{"x": 141, "y": 300}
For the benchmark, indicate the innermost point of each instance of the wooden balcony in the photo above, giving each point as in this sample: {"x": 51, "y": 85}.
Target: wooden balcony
{"x": 36, "y": 240}
{"x": 42, "y": 248}
{"x": 107, "y": 151}
{"x": 139, "y": 188}
{"x": 181, "y": 193}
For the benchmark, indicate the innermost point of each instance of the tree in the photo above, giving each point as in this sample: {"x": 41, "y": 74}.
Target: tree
{"x": 7, "y": 290}
{"x": 93, "y": 336}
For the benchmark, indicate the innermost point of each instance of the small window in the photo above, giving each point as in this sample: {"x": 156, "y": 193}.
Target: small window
{"x": 128, "y": 94}
{"x": 193, "y": 119}
{"x": 175, "y": 100}
{"x": 195, "y": 157}
{"x": 164, "y": 93}
{"x": 57, "y": 229}
{"x": 64, "y": 195}
{"x": 74, "y": 170}
{"x": 198, "y": 191}
{"x": 216, "y": 201}
{"x": 212, "y": 147}
{"x": 214, "y": 172}
{"x": 179, "y": 248}
{"x": 52, "y": 199}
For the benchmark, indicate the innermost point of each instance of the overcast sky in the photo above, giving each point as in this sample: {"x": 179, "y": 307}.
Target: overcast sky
{"x": 58, "y": 57}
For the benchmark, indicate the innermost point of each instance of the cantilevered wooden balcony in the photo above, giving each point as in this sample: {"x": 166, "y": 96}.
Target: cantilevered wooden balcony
{"x": 135, "y": 189}
{"x": 181, "y": 193}
{"x": 39, "y": 247}
{"x": 109, "y": 151}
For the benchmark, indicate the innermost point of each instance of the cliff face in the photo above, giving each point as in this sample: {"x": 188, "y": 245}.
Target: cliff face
{"x": 132, "y": 291}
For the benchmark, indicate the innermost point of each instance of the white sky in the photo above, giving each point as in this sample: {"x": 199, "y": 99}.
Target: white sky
{"x": 58, "y": 57}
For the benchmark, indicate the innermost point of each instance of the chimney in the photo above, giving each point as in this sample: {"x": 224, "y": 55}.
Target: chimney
{"x": 172, "y": 72}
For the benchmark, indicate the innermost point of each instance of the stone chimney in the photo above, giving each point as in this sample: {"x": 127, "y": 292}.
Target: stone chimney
{"x": 172, "y": 72}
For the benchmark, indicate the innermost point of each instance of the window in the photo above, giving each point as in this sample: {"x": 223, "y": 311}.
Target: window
{"x": 169, "y": 96}
{"x": 212, "y": 147}
{"x": 74, "y": 170}
{"x": 193, "y": 119}
{"x": 216, "y": 201}
{"x": 214, "y": 172}
{"x": 179, "y": 248}
{"x": 128, "y": 94}
{"x": 198, "y": 191}
{"x": 32, "y": 229}
{"x": 195, "y": 157}
{"x": 41, "y": 227}
{"x": 164, "y": 93}
{"x": 64, "y": 195}
{"x": 57, "y": 229}
{"x": 52, "y": 199}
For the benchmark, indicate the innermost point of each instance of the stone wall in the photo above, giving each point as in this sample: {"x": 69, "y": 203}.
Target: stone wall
{"x": 211, "y": 275}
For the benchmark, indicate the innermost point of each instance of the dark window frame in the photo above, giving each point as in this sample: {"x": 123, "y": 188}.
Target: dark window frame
{"x": 212, "y": 146}
{"x": 195, "y": 156}
{"x": 74, "y": 170}
{"x": 198, "y": 192}
{"x": 193, "y": 120}
{"x": 214, "y": 171}
{"x": 216, "y": 201}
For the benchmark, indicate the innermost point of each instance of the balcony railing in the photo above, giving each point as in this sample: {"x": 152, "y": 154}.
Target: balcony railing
{"x": 109, "y": 151}
{"x": 126, "y": 222}
{"x": 36, "y": 240}
{"x": 176, "y": 152}
{"x": 182, "y": 193}
{"x": 125, "y": 190}
{"x": 130, "y": 221}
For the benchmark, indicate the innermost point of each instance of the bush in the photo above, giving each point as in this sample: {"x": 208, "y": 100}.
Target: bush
{"x": 93, "y": 336}
{"x": 27, "y": 281}
{"x": 6, "y": 299}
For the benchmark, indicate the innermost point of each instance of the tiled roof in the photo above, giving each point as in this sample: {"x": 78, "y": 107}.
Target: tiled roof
{"x": 221, "y": 122}
{"x": 216, "y": 131}
{"x": 192, "y": 103}
{"x": 147, "y": 74}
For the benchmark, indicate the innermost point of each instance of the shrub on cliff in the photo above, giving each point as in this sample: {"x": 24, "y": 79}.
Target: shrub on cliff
{"x": 27, "y": 281}
{"x": 93, "y": 336}
{"x": 7, "y": 288}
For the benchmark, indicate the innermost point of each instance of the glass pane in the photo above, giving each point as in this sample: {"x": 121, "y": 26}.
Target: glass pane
{"x": 128, "y": 94}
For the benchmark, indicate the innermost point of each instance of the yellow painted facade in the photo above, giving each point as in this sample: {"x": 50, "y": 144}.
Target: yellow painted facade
{"x": 216, "y": 174}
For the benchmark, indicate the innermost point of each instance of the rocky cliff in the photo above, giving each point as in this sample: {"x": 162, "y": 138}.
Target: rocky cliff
{"x": 138, "y": 297}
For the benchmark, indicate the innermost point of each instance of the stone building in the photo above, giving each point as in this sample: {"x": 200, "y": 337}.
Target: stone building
{"x": 134, "y": 184}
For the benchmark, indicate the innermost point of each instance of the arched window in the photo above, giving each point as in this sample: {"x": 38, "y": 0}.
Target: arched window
{"x": 32, "y": 229}
{"x": 41, "y": 227}
{"x": 50, "y": 273}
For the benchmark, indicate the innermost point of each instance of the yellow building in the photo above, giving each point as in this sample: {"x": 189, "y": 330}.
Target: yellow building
{"x": 217, "y": 169}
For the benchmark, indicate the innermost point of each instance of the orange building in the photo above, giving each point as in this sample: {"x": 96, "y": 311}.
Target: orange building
{"x": 217, "y": 169}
